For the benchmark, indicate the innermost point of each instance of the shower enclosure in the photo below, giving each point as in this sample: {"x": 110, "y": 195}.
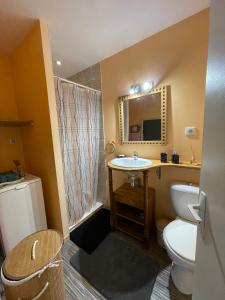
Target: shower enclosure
{"x": 82, "y": 145}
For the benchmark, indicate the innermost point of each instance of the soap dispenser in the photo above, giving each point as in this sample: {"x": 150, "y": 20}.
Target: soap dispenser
{"x": 175, "y": 158}
{"x": 163, "y": 157}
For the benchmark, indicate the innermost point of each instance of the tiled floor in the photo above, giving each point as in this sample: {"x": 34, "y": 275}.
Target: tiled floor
{"x": 78, "y": 288}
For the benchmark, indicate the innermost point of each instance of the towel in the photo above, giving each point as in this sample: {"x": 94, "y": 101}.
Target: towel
{"x": 8, "y": 176}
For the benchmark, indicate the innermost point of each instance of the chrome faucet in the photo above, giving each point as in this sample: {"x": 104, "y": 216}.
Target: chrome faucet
{"x": 135, "y": 155}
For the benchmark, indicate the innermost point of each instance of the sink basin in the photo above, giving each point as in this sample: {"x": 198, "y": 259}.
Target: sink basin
{"x": 131, "y": 162}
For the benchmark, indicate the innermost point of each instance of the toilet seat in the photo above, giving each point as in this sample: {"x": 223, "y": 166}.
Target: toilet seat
{"x": 181, "y": 238}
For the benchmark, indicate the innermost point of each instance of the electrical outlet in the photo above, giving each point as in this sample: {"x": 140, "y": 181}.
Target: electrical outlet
{"x": 190, "y": 131}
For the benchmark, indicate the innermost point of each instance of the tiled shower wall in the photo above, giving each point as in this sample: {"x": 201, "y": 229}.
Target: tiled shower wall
{"x": 90, "y": 77}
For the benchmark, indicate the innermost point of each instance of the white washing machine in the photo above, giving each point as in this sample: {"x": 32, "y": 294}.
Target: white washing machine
{"x": 22, "y": 211}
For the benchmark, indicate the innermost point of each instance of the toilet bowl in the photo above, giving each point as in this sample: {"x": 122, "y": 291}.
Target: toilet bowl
{"x": 180, "y": 237}
{"x": 180, "y": 241}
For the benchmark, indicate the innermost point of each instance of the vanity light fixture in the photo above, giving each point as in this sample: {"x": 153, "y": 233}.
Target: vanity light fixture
{"x": 135, "y": 89}
{"x": 147, "y": 86}
{"x": 59, "y": 63}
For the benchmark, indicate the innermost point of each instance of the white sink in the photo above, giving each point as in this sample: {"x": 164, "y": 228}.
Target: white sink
{"x": 131, "y": 162}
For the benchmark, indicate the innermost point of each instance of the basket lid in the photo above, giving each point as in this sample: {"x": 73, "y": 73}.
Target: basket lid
{"x": 32, "y": 254}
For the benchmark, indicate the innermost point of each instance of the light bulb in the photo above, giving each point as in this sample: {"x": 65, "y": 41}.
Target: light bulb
{"x": 58, "y": 62}
{"x": 135, "y": 89}
{"x": 147, "y": 86}
{"x": 132, "y": 91}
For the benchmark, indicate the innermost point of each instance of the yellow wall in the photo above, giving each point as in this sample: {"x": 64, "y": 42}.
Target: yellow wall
{"x": 176, "y": 57}
{"x": 32, "y": 95}
{"x": 8, "y": 111}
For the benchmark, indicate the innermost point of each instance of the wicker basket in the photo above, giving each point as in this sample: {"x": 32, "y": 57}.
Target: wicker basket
{"x": 33, "y": 269}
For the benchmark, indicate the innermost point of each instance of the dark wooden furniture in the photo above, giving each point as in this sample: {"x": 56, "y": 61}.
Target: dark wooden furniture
{"x": 132, "y": 209}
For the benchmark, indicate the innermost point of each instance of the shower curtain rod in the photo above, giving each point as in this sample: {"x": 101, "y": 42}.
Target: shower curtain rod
{"x": 78, "y": 84}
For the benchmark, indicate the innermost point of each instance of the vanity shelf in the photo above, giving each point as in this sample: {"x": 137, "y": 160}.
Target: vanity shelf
{"x": 130, "y": 196}
{"x": 131, "y": 214}
{"x": 132, "y": 229}
{"x": 15, "y": 123}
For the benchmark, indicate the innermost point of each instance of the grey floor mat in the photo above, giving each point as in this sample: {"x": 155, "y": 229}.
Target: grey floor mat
{"x": 117, "y": 270}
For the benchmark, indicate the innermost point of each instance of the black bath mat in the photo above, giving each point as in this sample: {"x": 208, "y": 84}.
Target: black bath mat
{"x": 92, "y": 232}
{"x": 117, "y": 270}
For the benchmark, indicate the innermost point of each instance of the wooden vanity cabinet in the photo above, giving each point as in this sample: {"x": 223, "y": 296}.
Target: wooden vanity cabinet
{"x": 132, "y": 209}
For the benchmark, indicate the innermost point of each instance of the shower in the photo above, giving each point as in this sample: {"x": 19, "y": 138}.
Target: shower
{"x": 82, "y": 144}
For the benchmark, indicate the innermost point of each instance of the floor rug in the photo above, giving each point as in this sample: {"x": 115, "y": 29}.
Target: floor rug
{"x": 117, "y": 269}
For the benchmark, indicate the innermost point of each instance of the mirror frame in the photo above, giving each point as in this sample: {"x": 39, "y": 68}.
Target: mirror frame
{"x": 163, "y": 91}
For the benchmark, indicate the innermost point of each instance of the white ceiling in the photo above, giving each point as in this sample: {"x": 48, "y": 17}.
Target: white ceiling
{"x": 84, "y": 32}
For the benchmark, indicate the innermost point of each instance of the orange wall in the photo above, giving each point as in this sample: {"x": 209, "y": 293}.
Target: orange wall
{"x": 8, "y": 111}
{"x": 32, "y": 97}
{"x": 54, "y": 127}
{"x": 176, "y": 57}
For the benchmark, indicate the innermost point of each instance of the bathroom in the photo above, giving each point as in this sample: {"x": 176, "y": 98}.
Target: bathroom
{"x": 63, "y": 119}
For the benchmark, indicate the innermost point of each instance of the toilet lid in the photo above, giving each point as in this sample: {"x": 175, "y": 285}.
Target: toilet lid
{"x": 181, "y": 236}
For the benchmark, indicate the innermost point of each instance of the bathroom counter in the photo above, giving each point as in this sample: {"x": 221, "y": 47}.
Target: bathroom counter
{"x": 142, "y": 195}
{"x": 156, "y": 163}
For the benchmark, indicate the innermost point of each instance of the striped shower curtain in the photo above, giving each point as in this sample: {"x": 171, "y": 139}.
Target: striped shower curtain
{"x": 82, "y": 146}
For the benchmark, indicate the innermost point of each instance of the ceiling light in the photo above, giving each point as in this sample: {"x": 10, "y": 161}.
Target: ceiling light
{"x": 58, "y": 62}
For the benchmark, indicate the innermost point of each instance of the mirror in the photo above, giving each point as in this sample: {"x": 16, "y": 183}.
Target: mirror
{"x": 143, "y": 117}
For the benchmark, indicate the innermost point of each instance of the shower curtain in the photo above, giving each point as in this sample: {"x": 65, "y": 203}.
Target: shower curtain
{"x": 82, "y": 145}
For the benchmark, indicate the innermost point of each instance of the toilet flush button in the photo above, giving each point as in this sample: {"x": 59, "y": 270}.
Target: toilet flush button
{"x": 190, "y": 131}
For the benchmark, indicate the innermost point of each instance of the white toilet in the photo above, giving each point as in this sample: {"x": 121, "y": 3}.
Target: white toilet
{"x": 180, "y": 236}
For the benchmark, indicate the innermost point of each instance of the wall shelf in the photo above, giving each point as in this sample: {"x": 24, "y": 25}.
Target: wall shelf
{"x": 16, "y": 123}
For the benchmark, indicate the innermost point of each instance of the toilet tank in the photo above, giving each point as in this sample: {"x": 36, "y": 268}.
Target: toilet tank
{"x": 183, "y": 194}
